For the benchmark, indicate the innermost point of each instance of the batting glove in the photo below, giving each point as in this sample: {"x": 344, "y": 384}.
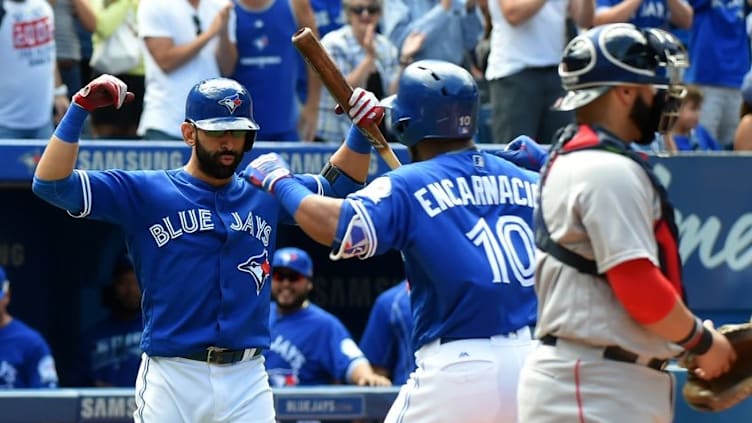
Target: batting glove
{"x": 105, "y": 90}
{"x": 265, "y": 170}
{"x": 364, "y": 108}
{"x": 525, "y": 153}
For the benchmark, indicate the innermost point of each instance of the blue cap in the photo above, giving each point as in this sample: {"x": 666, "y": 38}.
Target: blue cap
{"x": 3, "y": 283}
{"x": 295, "y": 259}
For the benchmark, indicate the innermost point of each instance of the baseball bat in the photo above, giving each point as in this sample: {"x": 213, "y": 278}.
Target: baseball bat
{"x": 314, "y": 53}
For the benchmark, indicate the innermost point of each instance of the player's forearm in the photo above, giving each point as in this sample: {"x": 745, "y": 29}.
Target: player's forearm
{"x": 57, "y": 161}
{"x": 317, "y": 216}
{"x": 354, "y": 156}
{"x": 675, "y": 325}
{"x": 59, "y": 157}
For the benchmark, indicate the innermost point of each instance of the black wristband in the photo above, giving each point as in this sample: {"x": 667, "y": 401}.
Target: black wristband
{"x": 330, "y": 172}
{"x": 706, "y": 341}
{"x": 694, "y": 332}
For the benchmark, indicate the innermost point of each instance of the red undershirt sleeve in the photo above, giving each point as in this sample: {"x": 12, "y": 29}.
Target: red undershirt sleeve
{"x": 641, "y": 288}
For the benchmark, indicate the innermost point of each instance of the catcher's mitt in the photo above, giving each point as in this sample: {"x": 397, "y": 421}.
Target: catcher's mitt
{"x": 730, "y": 388}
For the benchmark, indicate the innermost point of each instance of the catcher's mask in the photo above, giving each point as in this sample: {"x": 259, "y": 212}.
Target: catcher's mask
{"x": 622, "y": 54}
{"x": 221, "y": 104}
{"x": 435, "y": 99}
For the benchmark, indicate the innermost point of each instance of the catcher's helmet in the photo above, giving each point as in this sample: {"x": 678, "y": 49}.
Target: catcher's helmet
{"x": 435, "y": 99}
{"x": 221, "y": 104}
{"x": 617, "y": 54}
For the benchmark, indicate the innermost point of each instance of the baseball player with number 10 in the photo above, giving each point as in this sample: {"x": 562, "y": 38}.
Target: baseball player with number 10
{"x": 608, "y": 277}
{"x": 462, "y": 219}
{"x": 201, "y": 238}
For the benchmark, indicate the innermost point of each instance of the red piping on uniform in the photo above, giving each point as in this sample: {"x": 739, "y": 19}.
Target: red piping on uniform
{"x": 578, "y": 394}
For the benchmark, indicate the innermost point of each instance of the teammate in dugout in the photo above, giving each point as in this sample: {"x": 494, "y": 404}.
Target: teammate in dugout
{"x": 608, "y": 277}
{"x": 462, "y": 219}
{"x": 200, "y": 238}
{"x": 310, "y": 346}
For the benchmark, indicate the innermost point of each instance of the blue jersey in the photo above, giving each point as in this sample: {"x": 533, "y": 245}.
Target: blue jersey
{"x": 309, "y": 347}
{"x": 25, "y": 359}
{"x": 328, "y": 14}
{"x": 699, "y": 139}
{"x": 112, "y": 352}
{"x": 201, "y": 254}
{"x": 719, "y": 46}
{"x": 463, "y": 222}
{"x": 265, "y": 55}
{"x": 650, "y": 14}
{"x": 386, "y": 341}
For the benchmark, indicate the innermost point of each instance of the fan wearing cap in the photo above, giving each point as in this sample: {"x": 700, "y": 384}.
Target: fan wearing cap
{"x": 608, "y": 276}
{"x": 310, "y": 346}
{"x": 25, "y": 358}
{"x": 201, "y": 239}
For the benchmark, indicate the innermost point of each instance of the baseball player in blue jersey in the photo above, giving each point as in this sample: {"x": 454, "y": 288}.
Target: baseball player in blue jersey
{"x": 462, "y": 219}
{"x": 310, "y": 346}
{"x": 201, "y": 238}
{"x": 25, "y": 358}
{"x": 386, "y": 340}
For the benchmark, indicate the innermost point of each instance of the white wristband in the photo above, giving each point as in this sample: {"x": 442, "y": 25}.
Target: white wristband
{"x": 61, "y": 90}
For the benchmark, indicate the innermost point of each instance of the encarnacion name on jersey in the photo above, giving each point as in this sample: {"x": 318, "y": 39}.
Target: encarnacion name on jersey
{"x": 477, "y": 190}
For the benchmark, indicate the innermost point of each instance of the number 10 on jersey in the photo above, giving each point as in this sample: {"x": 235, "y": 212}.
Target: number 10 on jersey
{"x": 510, "y": 246}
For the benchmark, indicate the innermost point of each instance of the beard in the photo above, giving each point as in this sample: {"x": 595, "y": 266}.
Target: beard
{"x": 647, "y": 118}
{"x": 210, "y": 164}
{"x": 294, "y": 304}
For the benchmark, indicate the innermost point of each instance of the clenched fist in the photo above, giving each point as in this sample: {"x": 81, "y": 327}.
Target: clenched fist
{"x": 265, "y": 170}
{"x": 364, "y": 108}
{"x": 105, "y": 90}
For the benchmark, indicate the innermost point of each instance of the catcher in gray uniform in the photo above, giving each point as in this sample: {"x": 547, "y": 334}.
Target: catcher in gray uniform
{"x": 608, "y": 276}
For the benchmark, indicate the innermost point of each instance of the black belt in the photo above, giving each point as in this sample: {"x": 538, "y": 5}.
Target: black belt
{"x": 219, "y": 356}
{"x": 615, "y": 353}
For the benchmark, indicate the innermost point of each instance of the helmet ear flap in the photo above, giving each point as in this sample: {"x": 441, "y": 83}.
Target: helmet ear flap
{"x": 250, "y": 138}
{"x": 408, "y": 131}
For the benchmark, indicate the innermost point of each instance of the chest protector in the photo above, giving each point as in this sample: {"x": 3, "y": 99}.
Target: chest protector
{"x": 583, "y": 137}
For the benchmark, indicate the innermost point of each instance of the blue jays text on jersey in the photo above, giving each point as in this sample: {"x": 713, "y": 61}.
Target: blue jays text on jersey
{"x": 458, "y": 211}
{"x": 309, "y": 347}
{"x": 192, "y": 220}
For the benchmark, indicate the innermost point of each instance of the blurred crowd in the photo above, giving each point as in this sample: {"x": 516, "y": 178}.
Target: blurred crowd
{"x": 52, "y": 48}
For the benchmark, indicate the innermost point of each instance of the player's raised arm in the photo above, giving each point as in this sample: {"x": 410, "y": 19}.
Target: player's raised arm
{"x": 354, "y": 156}
{"x": 59, "y": 157}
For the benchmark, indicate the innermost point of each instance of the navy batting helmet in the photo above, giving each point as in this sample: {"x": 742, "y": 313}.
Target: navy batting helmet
{"x": 221, "y": 104}
{"x": 435, "y": 99}
{"x": 617, "y": 54}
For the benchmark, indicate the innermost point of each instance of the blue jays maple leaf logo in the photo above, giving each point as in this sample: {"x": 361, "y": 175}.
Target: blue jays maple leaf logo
{"x": 259, "y": 267}
{"x": 232, "y": 102}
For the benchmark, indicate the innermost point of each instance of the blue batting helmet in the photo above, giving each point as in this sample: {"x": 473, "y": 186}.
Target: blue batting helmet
{"x": 221, "y": 104}
{"x": 294, "y": 259}
{"x": 618, "y": 54}
{"x": 435, "y": 99}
